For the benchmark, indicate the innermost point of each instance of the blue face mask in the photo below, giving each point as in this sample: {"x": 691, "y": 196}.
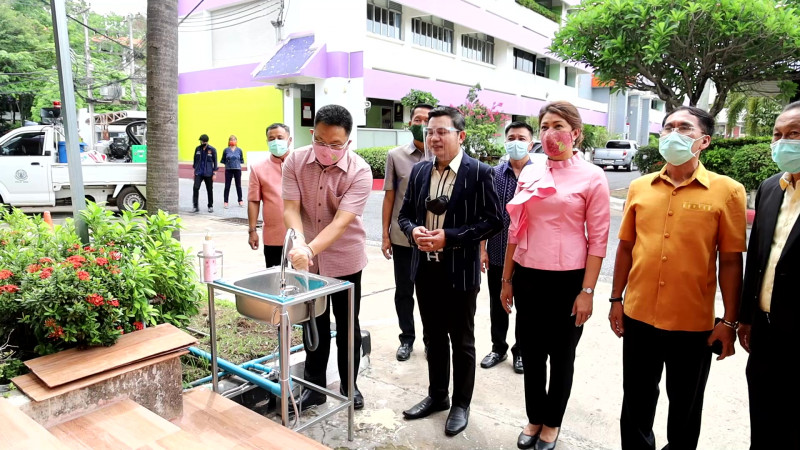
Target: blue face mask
{"x": 786, "y": 154}
{"x": 676, "y": 148}
{"x": 278, "y": 147}
{"x": 517, "y": 150}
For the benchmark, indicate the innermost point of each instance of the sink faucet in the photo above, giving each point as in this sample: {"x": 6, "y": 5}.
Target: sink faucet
{"x": 287, "y": 246}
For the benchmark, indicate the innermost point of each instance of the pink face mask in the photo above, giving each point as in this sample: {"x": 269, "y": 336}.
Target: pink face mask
{"x": 328, "y": 156}
{"x": 556, "y": 142}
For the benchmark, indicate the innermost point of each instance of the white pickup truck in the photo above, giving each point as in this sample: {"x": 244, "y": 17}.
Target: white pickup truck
{"x": 617, "y": 153}
{"x": 31, "y": 178}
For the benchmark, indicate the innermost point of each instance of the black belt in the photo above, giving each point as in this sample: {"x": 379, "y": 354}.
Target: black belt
{"x": 766, "y": 316}
{"x": 433, "y": 256}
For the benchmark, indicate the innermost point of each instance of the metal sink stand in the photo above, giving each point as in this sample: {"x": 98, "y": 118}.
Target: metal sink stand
{"x": 284, "y": 344}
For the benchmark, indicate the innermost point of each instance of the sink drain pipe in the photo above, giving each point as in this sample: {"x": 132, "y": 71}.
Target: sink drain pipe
{"x": 240, "y": 372}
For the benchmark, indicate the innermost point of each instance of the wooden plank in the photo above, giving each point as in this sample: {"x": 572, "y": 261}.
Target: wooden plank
{"x": 207, "y": 414}
{"x": 34, "y": 388}
{"x": 18, "y": 431}
{"x": 74, "y": 364}
{"x": 121, "y": 425}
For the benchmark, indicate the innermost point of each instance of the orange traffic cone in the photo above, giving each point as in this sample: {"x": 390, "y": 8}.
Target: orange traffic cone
{"x": 47, "y": 219}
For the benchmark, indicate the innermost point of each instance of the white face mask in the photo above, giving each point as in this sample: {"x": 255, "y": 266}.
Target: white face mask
{"x": 517, "y": 150}
{"x": 786, "y": 154}
{"x": 677, "y": 148}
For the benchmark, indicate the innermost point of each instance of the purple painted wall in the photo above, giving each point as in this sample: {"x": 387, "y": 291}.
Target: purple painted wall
{"x": 388, "y": 85}
{"x": 655, "y": 127}
{"x": 234, "y": 77}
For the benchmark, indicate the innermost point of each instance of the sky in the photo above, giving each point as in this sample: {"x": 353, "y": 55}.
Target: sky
{"x": 121, "y": 7}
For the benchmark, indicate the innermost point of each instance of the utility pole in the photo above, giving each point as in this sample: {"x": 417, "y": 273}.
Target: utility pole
{"x": 132, "y": 69}
{"x": 88, "y": 59}
{"x": 58, "y": 9}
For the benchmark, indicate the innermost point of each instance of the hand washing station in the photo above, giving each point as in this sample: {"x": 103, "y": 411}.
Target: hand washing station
{"x": 283, "y": 297}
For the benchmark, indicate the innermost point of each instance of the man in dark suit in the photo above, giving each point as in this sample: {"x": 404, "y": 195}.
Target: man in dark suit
{"x": 450, "y": 206}
{"x": 770, "y": 300}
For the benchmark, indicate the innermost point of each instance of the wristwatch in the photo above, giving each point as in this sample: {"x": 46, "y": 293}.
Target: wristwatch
{"x": 588, "y": 290}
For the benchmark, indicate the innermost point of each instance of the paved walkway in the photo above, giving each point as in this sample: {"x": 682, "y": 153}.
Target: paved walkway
{"x": 498, "y": 408}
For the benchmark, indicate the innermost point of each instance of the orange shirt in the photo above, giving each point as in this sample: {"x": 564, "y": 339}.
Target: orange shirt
{"x": 678, "y": 232}
{"x": 265, "y": 186}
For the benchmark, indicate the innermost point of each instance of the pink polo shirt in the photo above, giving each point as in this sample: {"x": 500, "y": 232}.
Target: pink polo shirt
{"x": 322, "y": 191}
{"x": 265, "y": 187}
{"x": 559, "y": 214}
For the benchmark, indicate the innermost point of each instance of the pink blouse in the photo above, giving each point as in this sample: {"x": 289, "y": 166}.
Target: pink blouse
{"x": 559, "y": 214}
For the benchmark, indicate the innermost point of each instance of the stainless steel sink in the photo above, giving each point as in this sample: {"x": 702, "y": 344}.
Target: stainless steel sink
{"x": 258, "y": 295}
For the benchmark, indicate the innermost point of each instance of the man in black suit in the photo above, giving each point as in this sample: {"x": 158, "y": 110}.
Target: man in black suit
{"x": 770, "y": 305}
{"x": 450, "y": 206}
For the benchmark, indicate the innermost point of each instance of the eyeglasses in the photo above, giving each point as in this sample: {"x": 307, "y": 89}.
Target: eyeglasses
{"x": 441, "y": 132}
{"x": 681, "y": 129}
{"x": 332, "y": 146}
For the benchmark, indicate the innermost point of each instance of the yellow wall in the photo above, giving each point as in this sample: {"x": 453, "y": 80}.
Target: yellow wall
{"x": 245, "y": 113}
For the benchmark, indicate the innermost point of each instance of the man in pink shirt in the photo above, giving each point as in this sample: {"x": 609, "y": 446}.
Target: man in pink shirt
{"x": 265, "y": 188}
{"x": 325, "y": 190}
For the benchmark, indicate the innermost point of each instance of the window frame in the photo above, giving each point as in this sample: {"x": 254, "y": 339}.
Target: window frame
{"x": 438, "y": 37}
{"x": 389, "y": 21}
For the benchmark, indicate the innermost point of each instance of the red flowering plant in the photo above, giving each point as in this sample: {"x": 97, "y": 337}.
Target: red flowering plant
{"x": 56, "y": 292}
{"x": 483, "y": 126}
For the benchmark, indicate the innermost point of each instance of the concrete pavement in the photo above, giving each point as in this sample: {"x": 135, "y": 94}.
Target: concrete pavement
{"x": 498, "y": 407}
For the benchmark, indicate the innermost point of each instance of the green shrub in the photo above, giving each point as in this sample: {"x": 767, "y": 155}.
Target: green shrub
{"x": 648, "y": 159}
{"x": 752, "y": 164}
{"x": 56, "y": 293}
{"x": 416, "y": 97}
{"x": 539, "y": 9}
{"x": 376, "y": 158}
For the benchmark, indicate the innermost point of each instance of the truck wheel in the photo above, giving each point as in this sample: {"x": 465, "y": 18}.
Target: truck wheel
{"x": 127, "y": 197}
{"x": 629, "y": 167}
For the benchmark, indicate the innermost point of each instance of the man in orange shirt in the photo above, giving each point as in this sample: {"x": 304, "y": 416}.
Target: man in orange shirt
{"x": 265, "y": 188}
{"x": 677, "y": 223}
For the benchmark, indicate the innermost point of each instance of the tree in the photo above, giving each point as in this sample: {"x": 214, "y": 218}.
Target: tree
{"x": 481, "y": 126}
{"x": 416, "y": 97}
{"x": 673, "y": 48}
{"x": 759, "y": 113}
{"x": 162, "y": 106}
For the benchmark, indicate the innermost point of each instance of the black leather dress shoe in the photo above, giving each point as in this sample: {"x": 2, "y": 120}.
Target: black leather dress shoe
{"x": 544, "y": 445}
{"x": 518, "y": 364}
{"x": 358, "y": 399}
{"x": 527, "y": 441}
{"x": 425, "y": 408}
{"x": 404, "y": 351}
{"x": 457, "y": 420}
{"x": 492, "y": 359}
{"x": 311, "y": 398}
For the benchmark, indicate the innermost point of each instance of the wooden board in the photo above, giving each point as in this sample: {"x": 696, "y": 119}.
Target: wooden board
{"x": 18, "y": 431}
{"x": 210, "y": 416}
{"x": 73, "y": 364}
{"x": 121, "y": 425}
{"x": 35, "y": 388}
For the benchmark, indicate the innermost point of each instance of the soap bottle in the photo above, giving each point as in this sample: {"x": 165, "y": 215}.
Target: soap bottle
{"x": 209, "y": 260}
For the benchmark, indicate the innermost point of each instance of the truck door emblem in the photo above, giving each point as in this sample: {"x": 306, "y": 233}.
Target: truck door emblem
{"x": 21, "y": 175}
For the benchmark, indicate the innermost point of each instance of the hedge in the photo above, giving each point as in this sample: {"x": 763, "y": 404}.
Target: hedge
{"x": 747, "y": 160}
{"x": 539, "y": 9}
{"x": 376, "y": 158}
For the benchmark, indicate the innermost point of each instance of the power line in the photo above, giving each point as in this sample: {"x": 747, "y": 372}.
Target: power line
{"x": 215, "y": 21}
{"x": 222, "y": 15}
{"x": 232, "y": 25}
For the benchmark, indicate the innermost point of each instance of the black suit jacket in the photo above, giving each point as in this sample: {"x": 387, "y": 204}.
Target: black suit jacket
{"x": 473, "y": 214}
{"x": 785, "y": 304}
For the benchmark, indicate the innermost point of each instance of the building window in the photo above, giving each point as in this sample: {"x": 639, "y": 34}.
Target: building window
{"x": 570, "y": 76}
{"x": 478, "y": 47}
{"x": 433, "y": 32}
{"x": 523, "y": 60}
{"x": 542, "y": 67}
{"x": 384, "y": 18}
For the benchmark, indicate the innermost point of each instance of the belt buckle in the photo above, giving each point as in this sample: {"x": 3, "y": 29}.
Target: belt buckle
{"x": 435, "y": 256}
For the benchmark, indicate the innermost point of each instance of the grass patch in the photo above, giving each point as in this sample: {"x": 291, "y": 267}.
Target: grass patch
{"x": 239, "y": 339}
{"x": 620, "y": 193}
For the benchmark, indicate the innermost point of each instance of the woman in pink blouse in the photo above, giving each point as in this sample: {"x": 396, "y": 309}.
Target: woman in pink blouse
{"x": 556, "y": 245}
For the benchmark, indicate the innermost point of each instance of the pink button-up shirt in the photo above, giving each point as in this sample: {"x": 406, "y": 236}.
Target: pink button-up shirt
{"x": 322, "y": 191}
{"x": 559, "y": 214}
{"x": 265, "y": 187}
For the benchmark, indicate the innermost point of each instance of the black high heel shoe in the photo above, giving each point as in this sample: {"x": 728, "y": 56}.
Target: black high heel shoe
{"x": 527, "y": 441}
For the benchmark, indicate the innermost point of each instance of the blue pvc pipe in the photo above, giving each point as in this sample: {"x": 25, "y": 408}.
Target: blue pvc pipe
{"x": 272, "y": 356}
{"x": 271, "y": 386}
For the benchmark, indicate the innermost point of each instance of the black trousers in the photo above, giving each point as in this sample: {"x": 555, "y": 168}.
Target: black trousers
{"x": 498, "y": 315}
{"x": 231, "y": 174}
{"x": 209, "y": 181}
{"x": 317, "y": 361}
{"x": 544, "y": 301}
{"x": 448, "y": 317}
{"x": 645, "y": 352}
{"x": 772, "y": 387}
{"x": 404, "y": 292}
{"x": 272, "y": 255}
